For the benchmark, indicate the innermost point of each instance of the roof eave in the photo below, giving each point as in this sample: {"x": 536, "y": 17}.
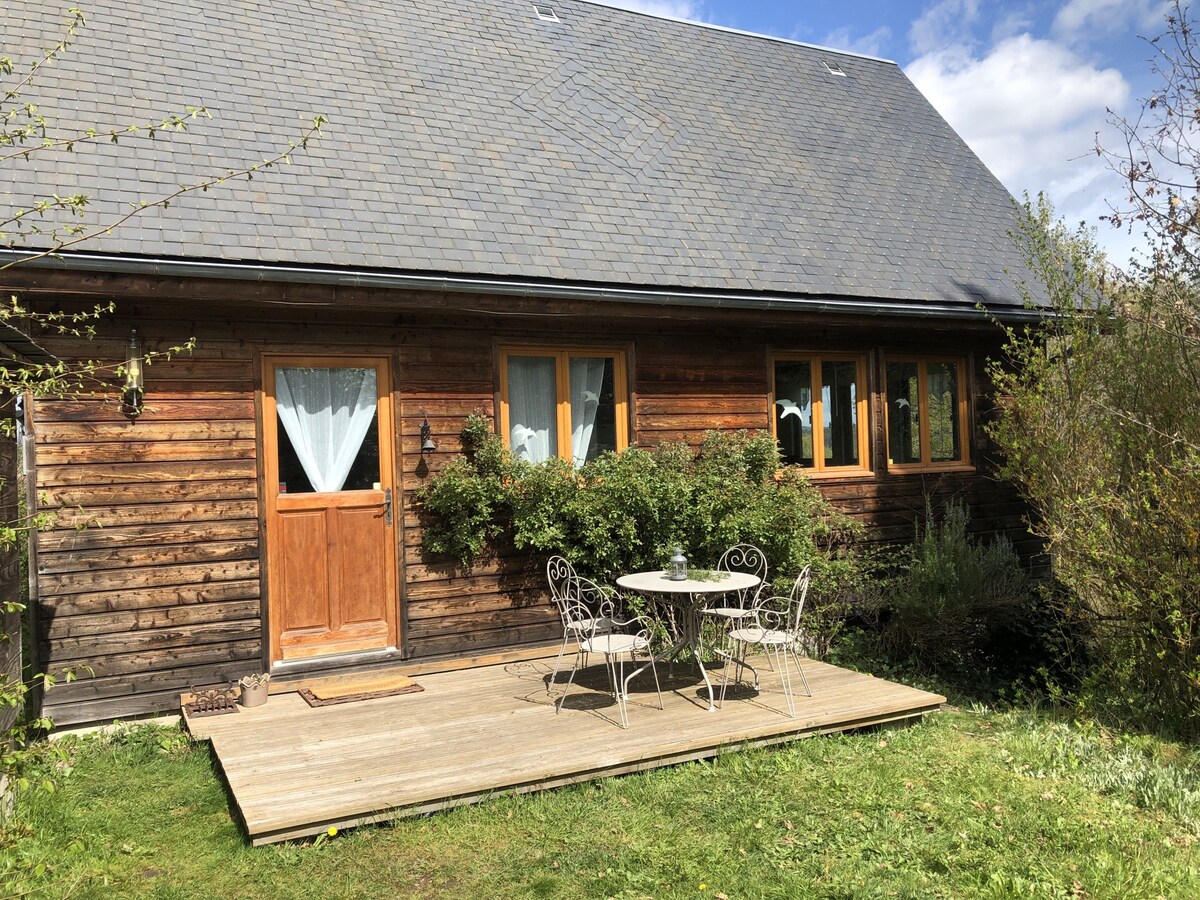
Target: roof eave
{"x": 468, "y": 284}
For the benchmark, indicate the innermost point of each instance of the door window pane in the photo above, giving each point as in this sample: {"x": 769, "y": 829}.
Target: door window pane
{"x": 839, "y": 402}
{"x": 532, "y": 407}
{"x": 593, "y": 408}
{"x": 941, "y": 382}
{"x": 904, "y": 428}
{"x": 328, "y": 431}
{"x": 793, "y": 411}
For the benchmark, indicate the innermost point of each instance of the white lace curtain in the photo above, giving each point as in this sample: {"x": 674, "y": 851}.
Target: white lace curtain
{"x": 533, "y": 404}
{"x": 587, "y": 381}
{"x": 326, "y": 414}
{"x": 532, "y": 400}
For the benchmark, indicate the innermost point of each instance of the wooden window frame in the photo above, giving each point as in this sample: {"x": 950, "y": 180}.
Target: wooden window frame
{"x": 862, "y": 405}
{"x": 562, "y": 380}
{"x": 963, "y": 463}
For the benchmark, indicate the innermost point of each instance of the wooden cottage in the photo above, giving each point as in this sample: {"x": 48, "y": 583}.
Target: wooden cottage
{"x": 598, "y": 227}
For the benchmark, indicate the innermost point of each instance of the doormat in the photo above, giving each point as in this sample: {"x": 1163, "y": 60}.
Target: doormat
{"x": 359, "y": 689}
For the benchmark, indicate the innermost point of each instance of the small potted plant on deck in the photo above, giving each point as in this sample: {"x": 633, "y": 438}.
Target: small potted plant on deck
{"x": 254, "y": 689}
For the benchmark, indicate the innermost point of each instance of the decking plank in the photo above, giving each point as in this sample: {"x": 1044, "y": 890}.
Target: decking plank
{"x": 294, "y": 771}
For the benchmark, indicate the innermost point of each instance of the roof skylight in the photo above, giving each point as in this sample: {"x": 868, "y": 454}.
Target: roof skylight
{"x": 545, "y": 13}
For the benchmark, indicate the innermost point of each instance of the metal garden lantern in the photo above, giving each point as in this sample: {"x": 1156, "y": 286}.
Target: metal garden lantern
{"x": 678, "y": 566}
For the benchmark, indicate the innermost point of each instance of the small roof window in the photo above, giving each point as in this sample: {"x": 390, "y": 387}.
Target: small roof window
{"x": 833, "y": 69}
{"x": 545, "y": 13}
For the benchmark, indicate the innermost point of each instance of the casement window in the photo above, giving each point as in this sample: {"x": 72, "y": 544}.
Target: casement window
{"x": 926, "y": 413}
{"x": 571, "y": 403}
{"x": 820, "y": 412}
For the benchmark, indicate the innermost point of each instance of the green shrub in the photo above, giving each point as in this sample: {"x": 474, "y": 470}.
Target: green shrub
{"x": 624, "y": 512}
{"x": 1100, "y": 431}
{"x": 845, "y": 586}
{"x": 952, "y": 593}
{"x": 467, "y": 503}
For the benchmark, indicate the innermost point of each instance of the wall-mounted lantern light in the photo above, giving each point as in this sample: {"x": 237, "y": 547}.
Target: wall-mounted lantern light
{"x": 428, "y": 444}
{"x": 133, "y": 393}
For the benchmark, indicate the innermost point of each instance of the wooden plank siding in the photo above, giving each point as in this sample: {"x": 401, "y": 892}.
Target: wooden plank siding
{"x": 153, "y": 575}
{"x": 150, "y": 581}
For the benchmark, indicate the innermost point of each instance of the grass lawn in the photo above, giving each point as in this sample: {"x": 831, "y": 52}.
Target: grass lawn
{"x": 965, "y": 804}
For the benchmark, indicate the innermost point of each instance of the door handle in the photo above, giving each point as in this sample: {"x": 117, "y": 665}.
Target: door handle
{"x": 387, "y": 506}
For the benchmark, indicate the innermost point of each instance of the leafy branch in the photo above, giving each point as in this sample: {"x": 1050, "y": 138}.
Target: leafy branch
{"x": 1158, "y": 156}
{"x": 76, "y": 203}
{"x": 7, "y": 67}
{"x": 172, "y": 122}
{"x": 58, "y": 377}
{"x": 19, "y": 223}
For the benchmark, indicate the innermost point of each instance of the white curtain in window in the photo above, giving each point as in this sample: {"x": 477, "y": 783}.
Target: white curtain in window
{"x": 587, "y": 380}
{"x": 532, "y": 407}
{"x": 326, "y": 414}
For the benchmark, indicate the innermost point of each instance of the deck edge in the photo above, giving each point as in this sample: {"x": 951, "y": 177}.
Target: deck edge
{"x": 631, "y": 767}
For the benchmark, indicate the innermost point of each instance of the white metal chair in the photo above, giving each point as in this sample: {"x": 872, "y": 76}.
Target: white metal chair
{"x": 576, "y": 623}
{"x": 611, "y": 636}
{"x": 735, "y": 606}
{"x": 559, "y": 573}
{"x": 774, "y": 626}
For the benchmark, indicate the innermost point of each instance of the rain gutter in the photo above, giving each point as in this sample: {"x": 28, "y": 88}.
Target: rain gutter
{"x": 450, "y": 284}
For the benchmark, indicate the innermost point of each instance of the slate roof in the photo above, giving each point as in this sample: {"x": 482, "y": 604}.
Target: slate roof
{"x": 471, "y": 137}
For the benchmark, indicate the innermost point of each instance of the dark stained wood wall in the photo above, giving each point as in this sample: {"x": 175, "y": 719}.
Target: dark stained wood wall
{"x": 687, "y": 387}
{"x": 152, "y": 577}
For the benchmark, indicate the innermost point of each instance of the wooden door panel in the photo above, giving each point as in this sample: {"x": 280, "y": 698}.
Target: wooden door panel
{"x": 303, "y": 583}
{"x": 362, "y": 568}
{"x": 330, "y": 643}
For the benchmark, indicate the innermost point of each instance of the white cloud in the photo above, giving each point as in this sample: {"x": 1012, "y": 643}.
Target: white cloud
{"x": 1022, "y": 89}
{"x": 676, "y": 9}
{"x": 943, "y": 24}
{"x": 868, "y": 44}
{"x": 1084, "y": 18}
{"x": 1012, "y": 22}
{"x": 1031, "y": 108}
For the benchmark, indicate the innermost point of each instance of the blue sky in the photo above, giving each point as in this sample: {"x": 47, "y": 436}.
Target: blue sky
{"x": 1027, "y": 85}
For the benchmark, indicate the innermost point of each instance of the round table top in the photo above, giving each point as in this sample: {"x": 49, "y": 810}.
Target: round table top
{"x": 657, "y": 582}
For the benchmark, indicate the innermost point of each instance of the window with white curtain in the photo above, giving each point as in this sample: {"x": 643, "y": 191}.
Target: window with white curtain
{"x": 328, "y": 429}
{"x": 566, "y": 403}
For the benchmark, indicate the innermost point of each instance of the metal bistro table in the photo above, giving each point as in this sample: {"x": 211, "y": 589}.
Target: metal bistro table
{"x": 688, "y": 597}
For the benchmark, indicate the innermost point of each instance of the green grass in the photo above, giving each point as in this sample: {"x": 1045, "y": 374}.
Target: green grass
{"x": 966, "y": 804}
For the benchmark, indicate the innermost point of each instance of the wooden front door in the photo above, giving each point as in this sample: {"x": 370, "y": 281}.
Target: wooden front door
{"x": 331, "y": 506}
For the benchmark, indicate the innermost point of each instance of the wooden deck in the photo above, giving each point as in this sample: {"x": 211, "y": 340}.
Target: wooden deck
{"x": 296, "y": 771}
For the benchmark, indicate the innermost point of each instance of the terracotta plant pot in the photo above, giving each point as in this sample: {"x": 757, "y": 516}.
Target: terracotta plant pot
{"x": 254, "y": 690}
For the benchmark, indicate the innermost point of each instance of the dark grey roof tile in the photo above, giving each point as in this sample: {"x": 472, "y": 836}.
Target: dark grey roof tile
{"x": 466, "y": 137}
